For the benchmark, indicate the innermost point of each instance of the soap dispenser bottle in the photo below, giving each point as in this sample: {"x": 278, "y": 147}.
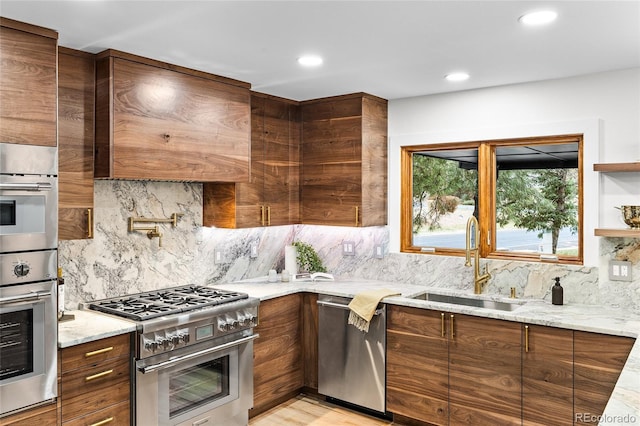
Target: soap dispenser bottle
{"x": 556, "y": 293}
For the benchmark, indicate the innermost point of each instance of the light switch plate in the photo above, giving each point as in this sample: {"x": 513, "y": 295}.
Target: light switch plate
{"x": 378, "y": 251}
{"x": 348, "y": 248}
{"x": 218, "y": 256}
{"x": 253, "y": 250}
{"x": 620, "y": 270}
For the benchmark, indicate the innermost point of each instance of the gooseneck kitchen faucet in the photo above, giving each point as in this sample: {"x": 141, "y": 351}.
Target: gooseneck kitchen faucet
{"x": 478, "y": 280}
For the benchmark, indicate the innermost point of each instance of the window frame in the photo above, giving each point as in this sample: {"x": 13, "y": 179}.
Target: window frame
{"x": 486, "y": 197}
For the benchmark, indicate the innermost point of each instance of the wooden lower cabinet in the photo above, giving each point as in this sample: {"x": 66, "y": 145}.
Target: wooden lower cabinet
{"x": 445, "y": 368}
{"x": 310, "y": 340}
{"x": 95, "y": 385}
{"x": 484, "y": 371}
{"x": 417, "y": 364}
{"x": 277, "y": 354}
{"x": 45, "y": 415}
{"x": 598, "y": 361}
{"x": 547, "y": 376}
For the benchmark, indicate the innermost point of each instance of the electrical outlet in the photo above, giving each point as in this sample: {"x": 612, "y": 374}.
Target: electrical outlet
{"x": 378, "y": 251}
{"x": 253, "y": 250}
{"x": 348, "y": 248}
{"x": 620, "y": 270}
{"x": 218, "y": 256}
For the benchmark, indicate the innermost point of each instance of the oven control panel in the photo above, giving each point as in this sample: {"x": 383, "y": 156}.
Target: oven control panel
{"x": 176, "y": 337}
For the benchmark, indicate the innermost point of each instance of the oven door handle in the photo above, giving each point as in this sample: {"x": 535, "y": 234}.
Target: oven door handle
{"x": 172, "y": 361}
{"x": 37, "y": 186}
{"x": 24, "y": 298}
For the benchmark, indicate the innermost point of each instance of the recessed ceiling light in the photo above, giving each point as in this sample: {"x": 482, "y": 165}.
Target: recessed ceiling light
{"x": 538, "y": 18}
{"x": 310, "y": 60}
{"x": 457, "y": 76}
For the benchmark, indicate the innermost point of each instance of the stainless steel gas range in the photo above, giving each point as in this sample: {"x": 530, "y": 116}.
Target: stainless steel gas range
{"x": 193, "y": 355}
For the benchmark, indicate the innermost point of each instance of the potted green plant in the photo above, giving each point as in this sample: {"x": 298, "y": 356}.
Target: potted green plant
{"x": 307, "y": 258}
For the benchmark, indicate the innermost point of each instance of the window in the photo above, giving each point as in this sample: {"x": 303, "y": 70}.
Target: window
{"x": 525, "y": 193}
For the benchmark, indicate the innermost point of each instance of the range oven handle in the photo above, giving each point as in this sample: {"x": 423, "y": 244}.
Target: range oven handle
{"x": 173, "y": 361}
{"x": 24, "y": 298}
{"x": 345, "y": 307}
{"x": 38, "y": 186}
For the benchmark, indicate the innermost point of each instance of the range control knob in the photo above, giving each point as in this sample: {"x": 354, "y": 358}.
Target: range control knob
{"x": 21, "y": 269}
{"x": 151, "y": 346}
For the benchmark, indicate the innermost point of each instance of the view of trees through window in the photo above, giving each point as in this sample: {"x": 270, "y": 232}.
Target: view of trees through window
{"x": 535, "y": 190}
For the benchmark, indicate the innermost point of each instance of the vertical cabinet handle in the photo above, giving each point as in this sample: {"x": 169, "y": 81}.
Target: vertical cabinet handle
{"x": 268, "y": 215}
{"x": 442, "y": 330}
{"x": 453, "y": 328}
{"x": 262, "y": 215}
{"x": 89, "y": 223}
{"x": 526, "y": 338}
{"x": 357, "y": 216}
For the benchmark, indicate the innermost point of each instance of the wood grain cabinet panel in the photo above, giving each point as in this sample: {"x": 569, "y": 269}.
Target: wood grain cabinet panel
{"x": 547, "y": 376}
{"x": 271, "y": 197}
{"x": 310, "y": 340}
{"x": 417, "y": 364}
{"x": 95, "y": 381}
{"x": 598, "y": 361}
{"x": 163, "y": 122}
{"x": 76, "y": 91}
{"x": 344, "y": 161}
{"x": 44, "y": 415}
{"x": 277, "y": 354}
{"x": 28, "y": 84}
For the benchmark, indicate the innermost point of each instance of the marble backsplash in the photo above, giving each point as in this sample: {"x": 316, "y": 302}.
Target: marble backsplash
{"x": 117, "y": 262}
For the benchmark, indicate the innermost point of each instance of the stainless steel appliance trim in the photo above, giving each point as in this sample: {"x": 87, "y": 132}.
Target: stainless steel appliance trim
{"x": 345, "y": 307}
{"x": 173, "y": 361}
{"x": 23, "y": 297}
{"x": 28, "y": 159}
{"x": 36, "y": 186}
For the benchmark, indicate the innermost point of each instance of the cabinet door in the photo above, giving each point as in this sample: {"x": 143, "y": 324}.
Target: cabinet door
{"x": 484, "y": 371}
{"x": 28, "y": 86}
{"x": 169, "y": 125}
{"x": 277, "y": 353}
{"x": 310, "y": 340}
{"x": 547, "y": 376}
{"x": 76, "y": 88}
{"x": 46, "y": 415}
{"x": 598, "y": 361}
{"x": 417, "y": 364}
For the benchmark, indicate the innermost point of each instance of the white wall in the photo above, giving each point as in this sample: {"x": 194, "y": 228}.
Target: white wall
{"x": 605, "y": 107}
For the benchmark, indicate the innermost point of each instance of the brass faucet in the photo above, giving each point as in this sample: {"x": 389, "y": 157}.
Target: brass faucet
{"x": 478, "y": 280}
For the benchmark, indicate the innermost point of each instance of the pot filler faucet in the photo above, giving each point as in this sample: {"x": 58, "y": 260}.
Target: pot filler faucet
{"x": 478, "y": 280}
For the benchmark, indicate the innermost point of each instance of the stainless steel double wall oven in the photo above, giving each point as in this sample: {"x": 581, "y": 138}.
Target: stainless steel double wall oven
{"x": 28, "y": 264}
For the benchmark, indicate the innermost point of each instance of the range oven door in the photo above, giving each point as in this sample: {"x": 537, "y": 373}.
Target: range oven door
{"x": 28, "y": 345}
{"x": 197, "y": 385}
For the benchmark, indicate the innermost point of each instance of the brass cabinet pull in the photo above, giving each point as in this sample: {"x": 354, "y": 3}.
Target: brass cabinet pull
{"x": 268, "y": 215}
{"x": 89, "y": 223}
{"x": 262, "y": 215}
{"x": 102, "y": 422}
{"x": 453, "y": 329}
{"x": 98, "y": 352}
{"x": 442, "y": 331}
{"x": 98, "y": 375}
{"x": 357, "y": 216}
{"x": 526, "y": 338}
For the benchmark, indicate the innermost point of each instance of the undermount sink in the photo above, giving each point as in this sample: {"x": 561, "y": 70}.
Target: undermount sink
{"x": 469, "y": 301}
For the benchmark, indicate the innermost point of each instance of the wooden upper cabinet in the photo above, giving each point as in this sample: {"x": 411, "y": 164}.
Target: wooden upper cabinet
{"x": 163, "y": 122}
{"x": 344, "y": 161}
{"x": 28, "y": 84}
{"x": 76, "y": 91}
{"x": 271, "y": 197}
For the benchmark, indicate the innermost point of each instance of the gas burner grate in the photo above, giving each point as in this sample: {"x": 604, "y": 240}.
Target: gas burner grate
{"x": 157, "y": 303}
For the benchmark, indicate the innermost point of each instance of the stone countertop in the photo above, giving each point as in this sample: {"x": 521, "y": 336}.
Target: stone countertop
{"x": 623, "y": 407}
{"x": 88, "y": 326}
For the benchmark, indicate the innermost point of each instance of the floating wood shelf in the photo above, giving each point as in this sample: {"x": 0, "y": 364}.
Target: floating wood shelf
{"x": 617, "y": 167}
{"x": 618, "y": 232}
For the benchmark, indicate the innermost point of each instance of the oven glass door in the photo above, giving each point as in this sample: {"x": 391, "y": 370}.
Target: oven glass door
{"x": 21, "y": 340}
{"x": 22, "y": 214}
{"x": 198, "y": 385}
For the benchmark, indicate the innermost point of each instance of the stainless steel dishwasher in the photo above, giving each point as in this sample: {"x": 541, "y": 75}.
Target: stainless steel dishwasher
{"x": 351, "y": 363}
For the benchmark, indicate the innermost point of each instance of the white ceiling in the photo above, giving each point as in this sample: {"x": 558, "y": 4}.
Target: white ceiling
{"x": 392, "y": 49}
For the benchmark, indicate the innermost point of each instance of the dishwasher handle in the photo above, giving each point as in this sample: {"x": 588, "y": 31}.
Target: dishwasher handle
{"x": 378, "y": 311}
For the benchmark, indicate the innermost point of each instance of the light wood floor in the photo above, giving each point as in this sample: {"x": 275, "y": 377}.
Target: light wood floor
{"x": 304, "y": 411}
